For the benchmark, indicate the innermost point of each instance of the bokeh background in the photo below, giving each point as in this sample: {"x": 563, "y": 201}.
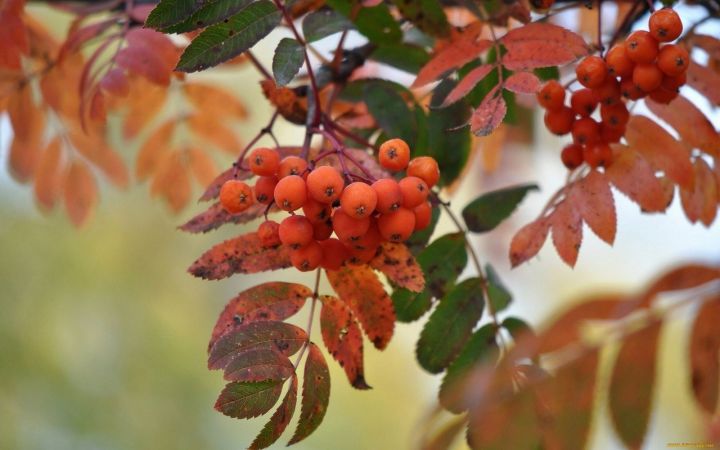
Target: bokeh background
{"x": 103, "y": 333}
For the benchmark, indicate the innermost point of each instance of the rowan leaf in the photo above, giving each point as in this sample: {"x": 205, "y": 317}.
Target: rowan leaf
{"x": 660, "y": 149}
{"x": 632, "y": 175}
{"x": 272, "y": 301}
{"x": 541, "y": 44}
{"x": 704, "y": 348}
{"x": 490, "y": 209}
{"x": 442, "y": 262}
{"x": 343, "y": 339}
{"x": 279, "y": 421}
{"x": 210, "y": 13}
{"x": 278, "y": 336}
{"x": 360, "y": 289}
{"x": 220, "y": 42}
{"x": 632, "y": 384}
{"x": 288, "y": 59}
{"x": 171, "y": 12}
{"x": 391, "y": 112}
{"x": 410, "y": 306}
{"x": 704, "y": 80}
{"x": 80, "y": 192}
{"x": 566, "y": 225}
{"x": 216, "y": 216}
{"x": 48, "y": 176}
{"x": 427, "y": 15}
{"x": 522, "y": 83}
{"x": 701, "y": 203}
{"x": 207, "y": 127}
{"x": 467, "y": 83}
{"x": 315, "y": 394}
{"x": 489, "y": 114}
{"x": 243, "y": 254}
{"x": 399, "y": 265}
{"x": 374, "y": 22}
{"x": 247, "y": 400}
{"x": 691, "y": 124}
{"x": 404, "y": 56}
{"x": 172, "y": 182}
{"x": 528, "y": 241}
{"x": 213, "y": 99}
{"x": 323, "y": 23}
{"x": 259, "y": 364}
{"x": 450, "y": 326}
{"x": 683, "y": 277}
{"x": 149, "y": 54}
{"x": 499, "y": 296}
{"x": 592, "y": 198}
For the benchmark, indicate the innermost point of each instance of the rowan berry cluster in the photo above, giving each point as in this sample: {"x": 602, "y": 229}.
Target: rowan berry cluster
{"x": 640, "y": 67}
{"x": 360, "y": 214}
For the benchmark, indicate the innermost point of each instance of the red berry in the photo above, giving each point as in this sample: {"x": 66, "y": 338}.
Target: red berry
{"x": 290, "y": 193}
{"x": 414, "y": 191}
{"x": 592, "y": 71}
{"x": 358, "y": 200}
{"x": 236, "y": 196}
{"x": 426, "y": 168}
{"x": 560, "y": 122}
{"x": 268, "y": 232}
{"x": 307, "y": 258}
{"x": 397, "y": 226}
{"x": 665, "y": 25}
{"x": 423, "y": 215}
{"x": 389, "y": 195}
{"x": 325, "y": 184}
{"x": 296, "y": 231}
{"x": 641, "y": 47}
{"x": 647, "y": 77}
{"x": 673, "y": 60}
{"x": 264, "y": 161}
{"x": 316, "y": 211}
{"x": 618, "y": 62}
{"x": 265, "y": 189}
{"x": 572, "y": 156}
{"x": 292, "y": 165}
{"x": 615, "y": 116}
{"x": 349, "y": 229}
{"x": 585, "y": 131}
{"x": 394, "y": 155}
{"x": 334, "y": 254}
{"x": 551, "y": 96}
{"x": 583, "y": 102}
{"x": 597, "y": 155}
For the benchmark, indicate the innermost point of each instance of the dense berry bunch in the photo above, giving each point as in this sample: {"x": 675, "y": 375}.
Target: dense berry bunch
{"x": 340, "y": 222}
{"x": 640, "y": 67}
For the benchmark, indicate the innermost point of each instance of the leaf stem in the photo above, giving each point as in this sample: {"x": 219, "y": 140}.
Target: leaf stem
{"x": 308, "y": 328}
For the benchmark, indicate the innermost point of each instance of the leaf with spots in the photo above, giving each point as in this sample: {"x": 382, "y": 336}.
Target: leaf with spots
{"x": 279, "y": 420}
{"x": 489, "y": 114}
{"x": 247, "y": 400}
{"x": 315, "y": 394}
{"x": 216, "y": 216}
{"x": 273, "y": 301}
{"x": 522, "y": 83}
{"x": 467, "y": 83}
{"x": 593, "y": 199}
{"x": 259, "y": 364}
{"x": 343, "y": 339}
{"x": 170, "y": 12}
{"x": 704, "y": 348}
{"x": 490, "y": 209}
{"x": 399, "y": 265}
{"x": 541, "y": 44}
{"x": 631, "y": 174}
{"x": 279, "y": 336}
{"x": 566, "y": 225}
{"x": 243, "y": 254}
{"x": 360, "y": 289}
{"x": 210, "y": 13}
{"x": 528, "y": 241}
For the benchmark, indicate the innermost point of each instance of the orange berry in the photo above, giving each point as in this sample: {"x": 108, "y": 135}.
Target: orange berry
{"x": 394, "y": 155}
{"x": 290, "y": 193}
{"x": 414, "y": 191}
{"x": 608, "y": 93}
{"x": 572, "y": 156}
{"x": 674, "y": 83}
{"x": 647, "y": 77}
{"x": 322, "y": 230}
{"x": 371, "y": 238}
{"x": 325, "y": 184}
{"x": 358, "y": 200}
{"x": 334, "y": 254}
{"x": 307, "y": 258}
{"x": 665, "y": 25}
{"x": 615, "y": 116}
{"x": 673, "y": 60}
{"x": 662, "y": 95}
{"x": 630, "y": 90}
{"x": 264, "y": 161}
{"x": 597, "y": 155}
{"x": 296, "y": 231}
{"x": 641, "y": 47}
{"x": 583, "y": 102}
{"x": 423, "y": 215}
{"x": 618, "y": 62}
{"x": 592, "y": 71}
{"x": 397, "y": 226}
{"x": 426, "y": 168}
{"x": 389, "y": 195}
{"x": 268, "y": 232}
{"x": 560, "y": 122}
{"x": 585, "y": 131}
{"x": 292, "y": 165}
{"x": 349, "y": 229}
{"x": 551, "y": 96}
{"x": 236, "y": 196}
{"x": 265, "y": 189}
{"x": 609, "y": 134}
{"x": 316, "y": 211}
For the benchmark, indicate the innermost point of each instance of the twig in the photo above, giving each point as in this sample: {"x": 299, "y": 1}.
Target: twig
{"x": 258, "y": 65}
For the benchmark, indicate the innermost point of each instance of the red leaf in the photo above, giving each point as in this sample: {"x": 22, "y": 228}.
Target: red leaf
{"x": 248, "y": 400}
{"x": 489, "y": 115}
{"x": 80, "y": 192}
{"x": 172, "y": 182}
{"x": 79, "y": 36}
{"x": 115, "y": 82}
{"x": 701, "y": 203}
{"x": 275, "y": 301}
{"x": 48, "y": 180}
{"x": 243, "y": 254}
{"x": 691, "y": 124}
{"x": 708, "y": 43}
{"x": 216, "y": 216}
{"x": 522, "y": 83}
{"x": 704, "y": 348}
{"x": 207, "y": 127}
{"x": 315, "y": 394}
{"x": 631, "y": 174}
{"x": 567, "y": 232}
{"x": 679, "y": 278}
{"x": 528, "y": 241}
{"x": 467, "y": 83}
{"x": 360, "y": 289}
{"x": 259, "y": 364}
{"x": 13, "y": 34}
{"x": 202, "y": 166}
{"x": 279, "y": 420}
{"x": 154, "y": 150}
{"x": 592, "y": 197}
{"x": 343, "y": 339}
{"x": 399, "y": 265}
{"x": 278, "y": 336}
{"x": 149, "y": 54}
{"x": 704, "y": 80}
{"x": 541, "y": 45}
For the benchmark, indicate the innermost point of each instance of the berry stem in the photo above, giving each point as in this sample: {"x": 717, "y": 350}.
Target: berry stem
{"x": 347, "y": 133}
{"x": 267, "y": 129}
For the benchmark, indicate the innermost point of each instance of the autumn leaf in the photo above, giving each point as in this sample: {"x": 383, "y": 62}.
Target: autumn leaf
{"x": 359, "y": 288}
{"x": 315, "y": 394}
{"x": 467, "y": 83}
{"x": 522, "y": 83}
{"x": 704, "y": 80}
{"x": 207, "y": 127}
{"x": 399, "y": 265}
{"x": 631, "y": 174}
{"x": 701, "y": 202}
{"x": 541, "y": 44}
{"x": 489, "y": 114}
{"x": 214, "y": 100}
{"x": 592, "y": 198}
{"x": 279, "y": 420}
{"x": 216, "y": 216}
{"x": 48, "y": 178}
{"x": 691, "y": 124}
{"x": 683, "y": 277}
{"x": 528, "y": 241}
{"x": 343, "y": 339}
{"x": 247, "y": 400}
{"x": 259, "y": 364}
{"x": 704, "y": 348}
{"x": 566, "y": 226}
{"x": 243, "y": 254}
{"x": 80, "y": 192}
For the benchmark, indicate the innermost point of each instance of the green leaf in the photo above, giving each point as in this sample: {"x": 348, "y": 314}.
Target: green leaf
{"x": 170, "y": 12}
{"x": 259, "y": 364}
{"x": 487, "y": 211}
{"x": 391, "y": 111}
{"x": 376, "y": 23}
{"x": 279, "y": 420}
{"x": 407, "y": 57}
{"x": 410, "y": 306}
{"x": 289, "y": 57}
{"x": 247, "y": 400}
{"x": 211, "y": 13}
{"x": 323, "y": 23}
{"x": 442, "y": 262}
{"x": 500, "y": 297}
{"x": 480, "y": 348}
{"x": 547, "y": 73}
{"x": 223, "y": 41}
{"x": 517, "y": 327}
{"x": 315, "y": 394}
{"x": 450, "y": 326}
{"x": 427, "y": 15}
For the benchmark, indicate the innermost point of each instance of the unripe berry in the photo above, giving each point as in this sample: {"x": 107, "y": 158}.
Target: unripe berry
{"x": 268, "y": 232}
{"x": 358, "y": 200}
{"x": 414, "y": 191}
{"x": 265, "y": 189}
{"x": 347, "y": 228}
{"x": 292, "y": 165}
{"x": 325, "y": 184}
{"x": 397, "y": 226}
{"x": 296, "y": 231}
{"x": 264, "y": 161}
{"x": 389, "y": 196}
{"x": 426, "y": 168}
{"x": 290, "y": 193}
{"x": 236, "y": 196}
{"x": 394, "y": 155}
{"x": 307, "y": 258}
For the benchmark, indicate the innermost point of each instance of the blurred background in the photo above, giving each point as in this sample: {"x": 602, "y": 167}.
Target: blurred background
{"x": 103, "y": 333}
